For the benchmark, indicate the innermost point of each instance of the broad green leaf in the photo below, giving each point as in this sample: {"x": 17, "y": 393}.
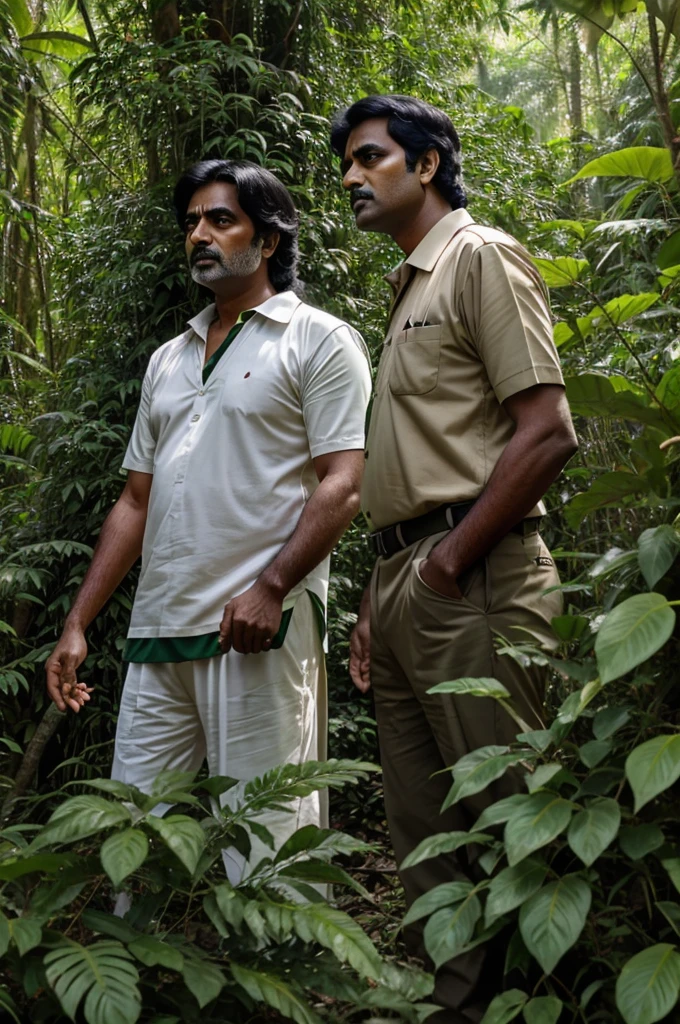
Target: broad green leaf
{"x": 647, "y": 987}
{"x": 449, "y": 930}
{"x": 561, "y": 271}
{"x": 658, "y": 548}
{"x": 576, "y": 227}
{"x": 653, "y": 163}
{"x": 639, "y": 840}
{"x": 473, "y": 687}
{"x": 668, "y": 389}
{"x": 672, "y": 866}
{"x": 79, "y": 817}
{"x": 183, "y": 836}
{"x": 623, "y": 308}
{"x": 594, "y": 394}
{"x": 542, "y": 776}
{"x": 543, "y": 1010}
{"x": 444, "y": 895}
{"x": 123, "y": 852}
{"x": 552, "y": 920}
{"x": 26, "y": 933}
{"x": 204, "y": 979}
{"x": 498, "y": 813}
{"x": 669, "y": 253}
{"x": 653, "y": 767}
{"x": 569, "y": 627}
{"x": 668, "y": 275}
{"x": 671, "y": 911}
{"x": 476, "y": 777}
{"x": 340, "y": 933}
{"x": 442, "y": 842}
{"x": 275, "y": 992}
{"x": 109, "y": 924}
{"x": 4, "y": 934}
{"x": 535, "y": 824}
{"x": 154, "y": 952}
{"x": 539, "y": 739}
{"x": 505, "y": 1007}
{"x": 512, "y": 887}
{"x": 608, "y": 721}
{"x": 631, "y": 633}
{"x": 608, "y": 489}
{"x": 594, "y": 751}
{"x": 594, "y": 828}
{"x": 316, "y": 871}
{"x": 102, "y": 973}
{"x": 45, "y": 863}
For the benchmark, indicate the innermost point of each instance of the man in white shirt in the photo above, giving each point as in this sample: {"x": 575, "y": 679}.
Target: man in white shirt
{"x": 244, "y": 469}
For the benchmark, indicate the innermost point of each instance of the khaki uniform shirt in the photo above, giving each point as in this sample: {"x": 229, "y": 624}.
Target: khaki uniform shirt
{"x": 469, "y": 327}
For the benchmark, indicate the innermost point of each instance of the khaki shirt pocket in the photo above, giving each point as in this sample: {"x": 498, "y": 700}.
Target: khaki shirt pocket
{"x": 414, "y": 368}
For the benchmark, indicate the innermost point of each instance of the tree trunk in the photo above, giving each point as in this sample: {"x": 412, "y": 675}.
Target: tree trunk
{"x": 661, "y": 100}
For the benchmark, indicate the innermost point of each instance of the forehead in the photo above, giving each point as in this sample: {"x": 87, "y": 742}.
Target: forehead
{"x": 371, "y": 132}
{"x": 215, "y": 194}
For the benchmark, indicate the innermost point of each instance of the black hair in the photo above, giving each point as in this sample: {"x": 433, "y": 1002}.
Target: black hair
{"x": 261, "y": 195}
{"x": 417, "y": 127}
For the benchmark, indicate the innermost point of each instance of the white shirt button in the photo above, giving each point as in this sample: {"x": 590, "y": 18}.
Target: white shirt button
{"x": 194, "y": 418}
{"x": 201, "y": 392}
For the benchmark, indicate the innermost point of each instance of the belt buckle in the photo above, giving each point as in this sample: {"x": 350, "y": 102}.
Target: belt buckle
{"x": 379, "y": 542}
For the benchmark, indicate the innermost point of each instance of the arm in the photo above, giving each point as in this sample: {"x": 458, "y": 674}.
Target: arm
{"x": 544, "y": 440}
{"x": 252, "y": 619}
{"x": 118, "y": 548}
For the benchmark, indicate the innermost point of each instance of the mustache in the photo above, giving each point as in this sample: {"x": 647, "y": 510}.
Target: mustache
{"x": 202, "y": 254}
{"x": 360, "y": 193}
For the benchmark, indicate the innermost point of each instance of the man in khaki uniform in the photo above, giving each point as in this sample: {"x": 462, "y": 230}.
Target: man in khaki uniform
{"x": 469, "y": 427}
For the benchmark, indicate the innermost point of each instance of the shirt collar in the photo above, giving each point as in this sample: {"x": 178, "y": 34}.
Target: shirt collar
{"x": 430, "y": 248}
{"x": 279, "y": 307}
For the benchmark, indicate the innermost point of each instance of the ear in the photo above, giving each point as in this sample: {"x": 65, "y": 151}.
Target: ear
{"x": 428, "y": 166}
{"x": 269, "y": 244}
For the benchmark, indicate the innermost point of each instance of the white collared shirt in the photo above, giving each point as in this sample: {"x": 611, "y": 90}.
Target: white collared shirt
{"x": 232, "y": 458}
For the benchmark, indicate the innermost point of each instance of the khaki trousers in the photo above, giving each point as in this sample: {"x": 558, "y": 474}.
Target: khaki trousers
{"x": 420, "y": 638}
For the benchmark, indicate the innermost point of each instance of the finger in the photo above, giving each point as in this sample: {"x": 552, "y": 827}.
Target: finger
{"x": 267, "y": 644}
{"x": 68, "y": 669}
{"x": 226, "y": 637}
{"x": 53, "y": 683}
{"x": 237, "y": 636}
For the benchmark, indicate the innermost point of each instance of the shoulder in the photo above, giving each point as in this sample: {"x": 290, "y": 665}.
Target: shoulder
{"x": 168, "y": 353}
{"x": 314, "y": 327}
{"x": 482, "y": 244}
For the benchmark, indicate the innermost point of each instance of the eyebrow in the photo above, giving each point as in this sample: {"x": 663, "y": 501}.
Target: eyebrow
{"x": 215, "y": 211}
{"x": 368, "y": 147}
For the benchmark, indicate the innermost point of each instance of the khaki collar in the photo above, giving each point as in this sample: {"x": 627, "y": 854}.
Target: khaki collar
{"x": 279, "y": 307}
{"x": 429, "y": 249}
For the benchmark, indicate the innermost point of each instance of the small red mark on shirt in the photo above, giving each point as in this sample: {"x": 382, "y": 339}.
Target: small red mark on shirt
{"x": 246, "y": 375}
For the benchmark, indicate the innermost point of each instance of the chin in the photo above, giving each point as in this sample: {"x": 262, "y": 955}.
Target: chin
{"x": 366, "y": 222}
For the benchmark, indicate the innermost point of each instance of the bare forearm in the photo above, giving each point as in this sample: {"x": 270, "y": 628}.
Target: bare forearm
{"x": 118, "y": 548}
{"x": 324, "y": 519}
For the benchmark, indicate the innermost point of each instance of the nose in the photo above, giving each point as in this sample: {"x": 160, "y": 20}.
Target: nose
{"x": 200, "y": 233}
{"x": 353, "y": 178}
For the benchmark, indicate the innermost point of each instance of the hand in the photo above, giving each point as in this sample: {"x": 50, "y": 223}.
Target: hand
{"x": 251, "y": 620}
{"x": 60, "y": 668}
{"x": 439, "y": 578}
{"x": 360, "y": 647}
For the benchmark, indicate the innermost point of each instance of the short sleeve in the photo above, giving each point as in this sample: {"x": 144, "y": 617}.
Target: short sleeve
{"x": 142, "y": 446}
{"x": 504, "y": 309}
{"x": 336, "y": 387}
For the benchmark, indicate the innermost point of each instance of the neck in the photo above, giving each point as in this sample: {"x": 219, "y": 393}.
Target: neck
{"x": 410, "y": 234}
{"x": 233, "y": 295}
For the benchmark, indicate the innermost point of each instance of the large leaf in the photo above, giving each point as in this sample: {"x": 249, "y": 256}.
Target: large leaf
{"x": 552, "y": 920}
{"x": 26, "y": 933}
{"x": 647, "y": 988}
{"x": 442, "y": 842}
{"x": 444, "y": 895}
{"x": 183, "y": 836}
{"x": 593, "y": 829}
{"x": 275, "y": 992}
{"x": 449, "y": 930}
{"x": 337, "y": 931}
{"x": 498, "y": 813}
{"x": 594, "y": 394}
{"x": 154, "y": 952}
{"x": 653, "y": 163}
{"x": 634, "y": 631}
{"x": 204, "y": 980}
{"x": 669, "y": 253}
{"x": 536, "y": 823}
{"x": 103, "y": 973}
{"x": 473, "y": 687}
{"x": 622, "y": 308}
{"x": 79, "y": 817}
{"x": 637, "y": 841}
{"x": 123, "y": 852}
{"x": 561, "y": 271}
{"x": 477, "y": 770}
{"x": 543, "y": 1010}
{"x": 608, "y": 489}
{"x": 658, "y": 548}
{"x": 653, "y": 767}
{"x": 512, "y": 887}
{"x": 505, "y": 1007}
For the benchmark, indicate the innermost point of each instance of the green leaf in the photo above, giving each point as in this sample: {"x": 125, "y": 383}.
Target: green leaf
{"x": 647, "y": 988}
{"x": 444, "y": 895}
{"x": 477, "y": 770}
{"x": 505, "y": 1007}
{"x": 536, "y": 823}
{"x": 539, "y": 739}
{"x": 204, "y": 980}
{"x": 594, "y": 394}
{"x": 623, "y": 308}
{"x": 109, "y": 924}
{"x": 79, "y": 817}
{"x": 26, "y": 933}
{"x": 449, "y": 930}
{"x": 473, "y": 687}
{"x": 658, "y": 548}
{"x": 608, "y": 721}
{"x": 45, "y": 863}
{"x": 594, "y": 828}
{"x": 543, "y": 1010}
{"x": 672, "y": 866}
{"x": 561, "y": 271}
{"x": 338, "y": 932}
{"x": 4, "y": 934}
{"x": 442, "y": 842}
{"x": 669, "y": 253}
{"x": 498, "y": 813}
{"x": 639, "y": 840}
{"x": 154, "y": 952}
{"x": 272, "y": 990}
{"x": 123, "y": 852}
{"x": 183, "y": 836}
{"x": 103, "y": 973}
{"x": 540, "y": 778}
{"x": 552, "y": 920}
{"x": 594, "y": 751}
{"x": 316, "y": 871}
{"x": 569, "y": 627}
{"x": 512, "y": 887}
{"x": 631, "y": 633}
{"x": 671, "y": 911}
{"x": 653, "y": 767}
{"x": 608, "y": 489}
{"x": 653, "y": 163}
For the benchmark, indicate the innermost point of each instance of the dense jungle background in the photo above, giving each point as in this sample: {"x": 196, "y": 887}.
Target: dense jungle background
{"x": 568, "y": 115}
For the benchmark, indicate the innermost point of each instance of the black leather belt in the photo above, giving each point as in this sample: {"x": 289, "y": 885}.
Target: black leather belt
{"x": 395, "y": 538}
